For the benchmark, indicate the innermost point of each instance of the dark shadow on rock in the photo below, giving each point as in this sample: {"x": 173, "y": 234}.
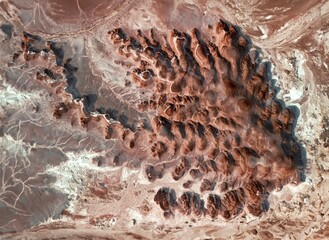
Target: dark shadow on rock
{"x": 58, "y": 51}
{"x": 265, "y": 203}
{"x": 69, "y": 71}
{"x": 113, "y": 114}
{"x": 31, "y": 36}
{"x": 2, "y": 131}
{"x": 166, "y": 123}
{"x": 89, "y": 102}
{"x": 7, "y": 29}
{"x": 295, "y": 110}
{"x": 173, "y": 197}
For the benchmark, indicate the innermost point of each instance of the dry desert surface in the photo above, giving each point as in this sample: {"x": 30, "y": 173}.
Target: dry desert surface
{"x": 164, "y": 119}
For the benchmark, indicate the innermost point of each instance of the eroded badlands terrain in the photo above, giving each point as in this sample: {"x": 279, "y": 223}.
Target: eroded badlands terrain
{"x": 164, "y": 119}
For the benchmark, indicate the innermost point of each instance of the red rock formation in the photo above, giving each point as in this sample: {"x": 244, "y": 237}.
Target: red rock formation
{"x": 214, "y": 108}
{"x": 167, "y": 200}
{"x": 212, "y": 116}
